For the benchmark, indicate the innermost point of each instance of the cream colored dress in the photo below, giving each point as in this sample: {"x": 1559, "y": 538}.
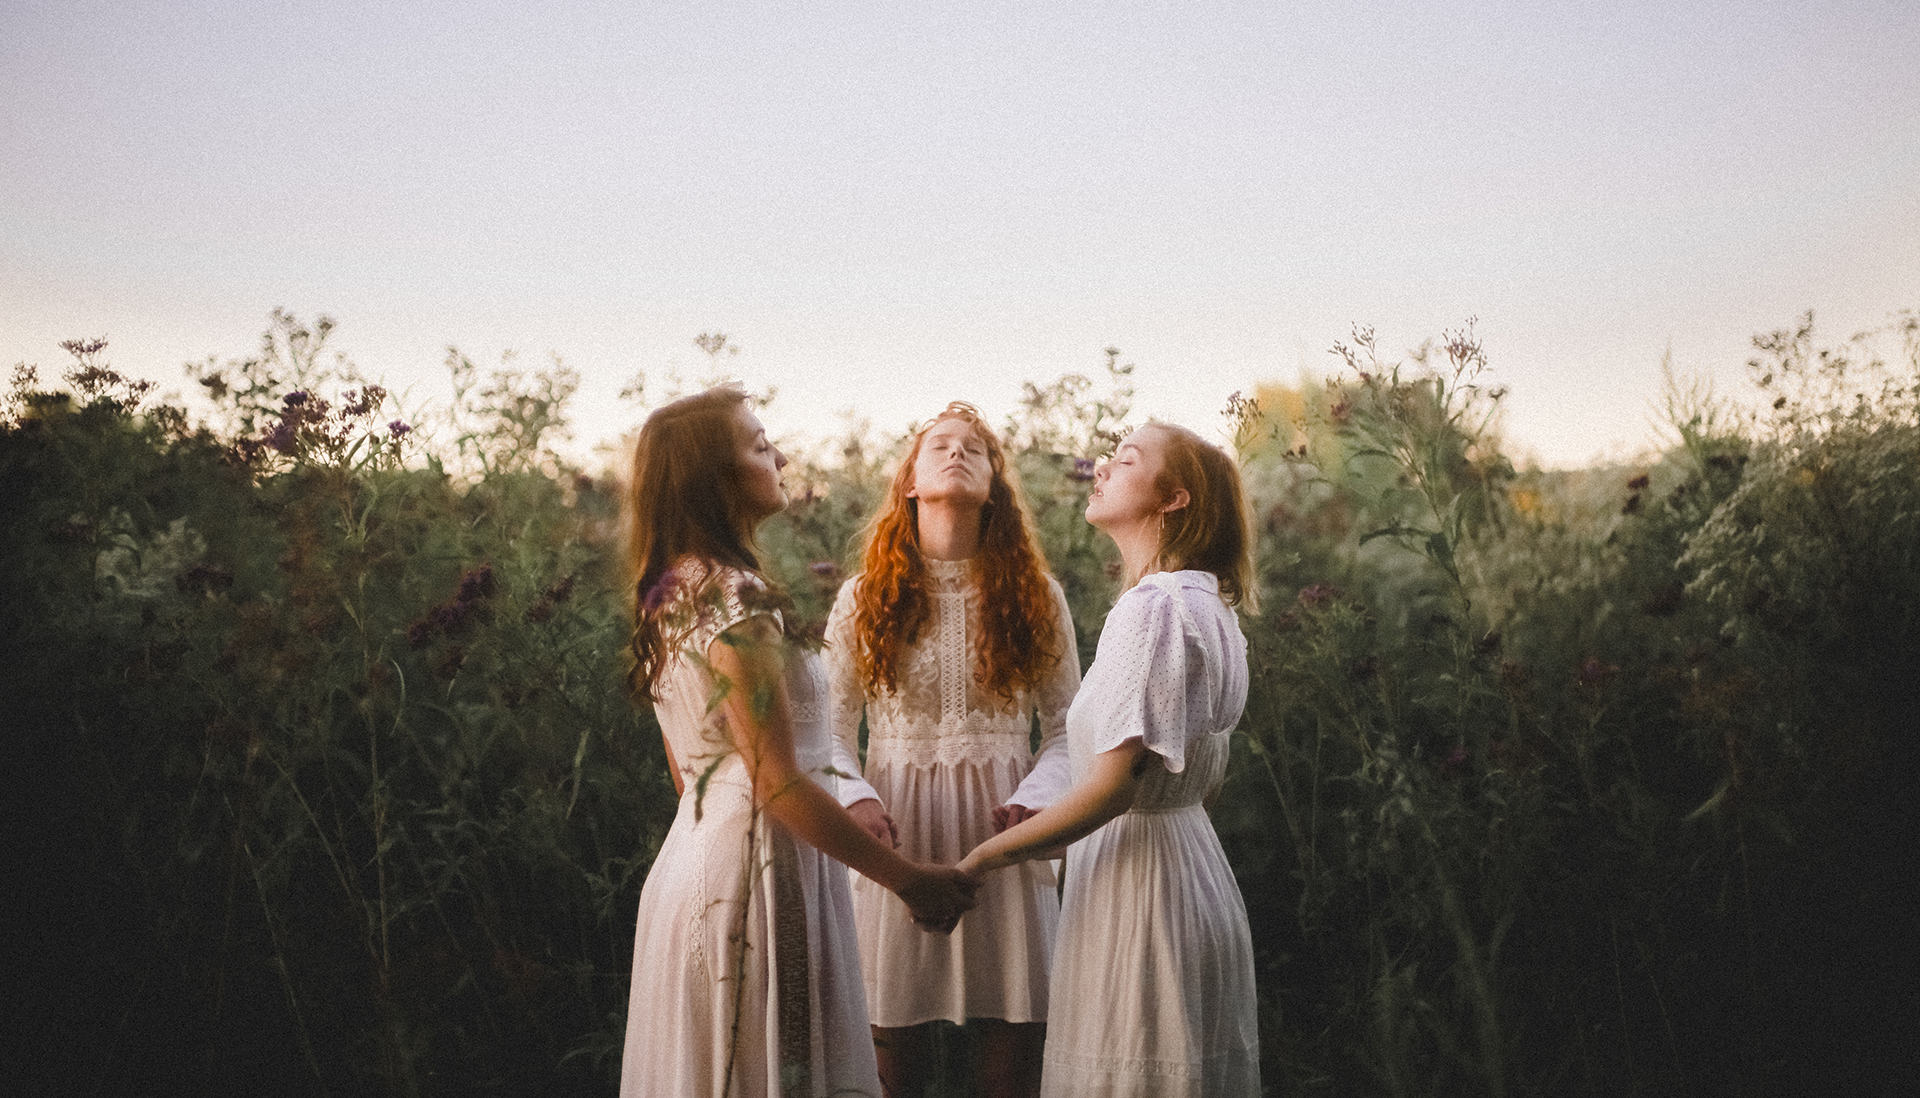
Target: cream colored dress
{"x": 1153, "y": 982}
{"x": 746, "y": 974}
{"x": 941, "y": 755}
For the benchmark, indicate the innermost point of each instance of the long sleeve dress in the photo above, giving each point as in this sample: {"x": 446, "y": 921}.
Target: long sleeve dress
{"x": 1153, "y": 978}
{"x": 942, "y": 753}
{"x": 745, "y": 963}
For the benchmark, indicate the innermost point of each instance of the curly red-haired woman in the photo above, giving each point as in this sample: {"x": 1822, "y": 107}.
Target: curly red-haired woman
{"x": 952, "y": 638}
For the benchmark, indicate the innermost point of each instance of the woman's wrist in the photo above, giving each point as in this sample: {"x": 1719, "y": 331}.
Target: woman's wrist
{"x": 982, "y": 859}
{"x": 896, "y": 872}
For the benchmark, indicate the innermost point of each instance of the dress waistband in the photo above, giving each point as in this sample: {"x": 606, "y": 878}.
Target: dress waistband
{"x": 1167, "y": 810}
{"x": 952, "y": 745}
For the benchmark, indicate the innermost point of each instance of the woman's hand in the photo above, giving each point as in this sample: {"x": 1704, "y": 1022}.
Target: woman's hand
{"x": 1006, "y": 815}
{"x": 937, "y": 895}
{"x": 1105, "y": 792}
{"x": 873, "y": 816}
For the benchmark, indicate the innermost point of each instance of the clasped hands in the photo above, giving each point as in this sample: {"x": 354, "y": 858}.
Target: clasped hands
{"x": 939, "y": 896}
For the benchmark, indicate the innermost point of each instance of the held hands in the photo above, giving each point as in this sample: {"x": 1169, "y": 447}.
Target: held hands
{"x": 937, "y": 895}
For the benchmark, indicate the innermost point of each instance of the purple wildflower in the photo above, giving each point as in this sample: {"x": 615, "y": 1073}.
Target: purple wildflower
{"x": 1082, "y": 469}
{"x": 282, "y": 437}
{"x": 823, "y": 568}
{"x": 450, "y": 616}
{"x": 364, "y": 401}
{"x": 657, "y": 595}
{"x": 296, "y": 398}
{"x": 398, "y": 429}
{"x": 1318, "y": 595}
{"x": 477, "y": 584}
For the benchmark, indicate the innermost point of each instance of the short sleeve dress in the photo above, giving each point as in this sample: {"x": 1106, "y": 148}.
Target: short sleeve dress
{"x": 942, "y": 753}
{"x": 739, "y": 921}
{"x": 1153, "y": 975}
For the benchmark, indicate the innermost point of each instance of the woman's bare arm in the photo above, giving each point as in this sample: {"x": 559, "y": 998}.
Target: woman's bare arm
{"x": 751, "y": 659}
{"x": 1107, "y": 791}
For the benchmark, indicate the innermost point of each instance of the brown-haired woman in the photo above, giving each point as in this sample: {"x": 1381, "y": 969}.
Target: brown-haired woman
{"x": 745, "y": 967}
{"x": 1153, "y": 979}
{"x": 951, "y": 638}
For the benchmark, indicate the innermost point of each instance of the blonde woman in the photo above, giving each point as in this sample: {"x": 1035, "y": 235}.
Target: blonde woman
{"x": 1153, "y": 990}
{"x": 746, "y": 978}
{"x": 953, "y": 640}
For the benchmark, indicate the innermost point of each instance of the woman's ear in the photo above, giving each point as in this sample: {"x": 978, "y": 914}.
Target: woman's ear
{"x": 1178, "y": 500}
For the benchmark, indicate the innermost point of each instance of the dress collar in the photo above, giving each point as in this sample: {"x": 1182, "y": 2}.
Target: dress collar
{"x": 948, "y": 569}
{"x": 1186, "y": 577}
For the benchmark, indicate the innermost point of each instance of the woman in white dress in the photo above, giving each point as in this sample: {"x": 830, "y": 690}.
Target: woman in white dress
{"x": 746, "y": 976}
{"x": 952, "y": 638}
{"x": 1153, "y": 979}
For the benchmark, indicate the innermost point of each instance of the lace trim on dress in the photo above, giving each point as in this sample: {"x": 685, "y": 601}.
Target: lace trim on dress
{"x": 975, "y": 738}
{"x": 938, "y": 714}
{"x": 792, "y": 978}
{"x": 949, "y": 577}
{"x": 949, "y": 592}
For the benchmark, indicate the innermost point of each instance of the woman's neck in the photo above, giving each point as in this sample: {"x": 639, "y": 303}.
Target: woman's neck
{"x": 1139, "y": 547}
{"x": 948, "y": 531}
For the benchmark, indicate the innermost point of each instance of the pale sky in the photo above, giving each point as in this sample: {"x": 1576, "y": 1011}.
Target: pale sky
{"x": 890, "y": 205}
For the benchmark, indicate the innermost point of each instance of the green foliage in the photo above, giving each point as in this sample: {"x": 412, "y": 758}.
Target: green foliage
{"x": 1588, "y": 782}
{"x": 347, "y": 746}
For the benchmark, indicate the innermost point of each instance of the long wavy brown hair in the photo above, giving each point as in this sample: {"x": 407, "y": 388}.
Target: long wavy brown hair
{"x": 680, "y": 502}
{"x": 1019, "y": 641}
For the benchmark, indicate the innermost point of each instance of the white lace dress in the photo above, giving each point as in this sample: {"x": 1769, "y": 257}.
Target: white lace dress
{"x": 740, "y": 921}
{"x": 1153, "y": 979}
{"x": 941, "y": 755}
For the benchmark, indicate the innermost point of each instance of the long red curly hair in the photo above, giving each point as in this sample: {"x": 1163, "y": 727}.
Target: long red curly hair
{"x": 1019, "y": 641}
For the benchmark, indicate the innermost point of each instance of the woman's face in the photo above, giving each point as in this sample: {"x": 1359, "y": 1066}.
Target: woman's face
{"x": 952, "y": 466}
{"x": 1126, "y": 489}
{"x": 757, "y": 466}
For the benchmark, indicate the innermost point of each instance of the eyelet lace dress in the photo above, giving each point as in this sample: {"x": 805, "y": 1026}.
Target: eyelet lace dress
{"x": 942, "y": 753}
{"x": 746, "y": 977}
{"x": 1153, "y": 978}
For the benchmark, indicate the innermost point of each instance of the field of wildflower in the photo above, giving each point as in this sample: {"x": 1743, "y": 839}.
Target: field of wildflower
{"x": 1551, "y": 783}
